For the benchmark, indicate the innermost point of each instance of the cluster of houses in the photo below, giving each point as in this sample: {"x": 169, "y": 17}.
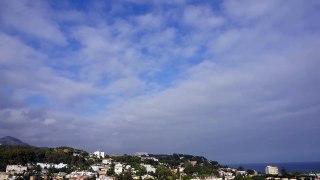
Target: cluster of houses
{"x": 100, "y": 170}
{"x": 16, "y": 171}
{"x": 230, "y": 173}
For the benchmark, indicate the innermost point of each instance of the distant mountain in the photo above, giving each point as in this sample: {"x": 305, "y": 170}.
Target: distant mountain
{"x": 8, "y": 140}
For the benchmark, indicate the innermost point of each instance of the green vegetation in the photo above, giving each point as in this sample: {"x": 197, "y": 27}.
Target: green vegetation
{"x": 124, "y": 176}
{"x": 130, "y": 160}
{"x": 176, "y": 159}
{"x": 162, "y": 172}
{"x": 240, "y": 177}
{"x": 250, "y": 172}
{"x": 202, "y": 170}
{"x": 27, "y": 154}
{"x": 166, "y": 165}
{"x": 141, "y": 170}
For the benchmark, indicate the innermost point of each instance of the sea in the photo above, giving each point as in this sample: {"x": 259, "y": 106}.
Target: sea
{"x": 289, "y": 166}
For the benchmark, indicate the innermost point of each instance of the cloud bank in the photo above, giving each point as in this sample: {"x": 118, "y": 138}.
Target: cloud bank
{"x": 235, "y": 81}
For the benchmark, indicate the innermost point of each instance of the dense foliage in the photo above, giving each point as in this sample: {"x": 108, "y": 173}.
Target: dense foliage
{"x": 177, "y": 159}
{"x": 164, "y": 163}
{"x": 78, "y": 159}
{"x": 28, "y": 154}
{"x": 130, "y": 160}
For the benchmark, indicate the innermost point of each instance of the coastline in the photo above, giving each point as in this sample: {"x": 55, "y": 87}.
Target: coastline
{"x": 289, "y": 166}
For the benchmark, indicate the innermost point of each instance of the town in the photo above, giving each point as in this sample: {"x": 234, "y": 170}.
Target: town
{"x": 141, "y": 165}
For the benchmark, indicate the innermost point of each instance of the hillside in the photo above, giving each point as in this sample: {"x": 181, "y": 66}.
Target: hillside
{"x": 12, "y": 154}
{"x": 8, "y": 140}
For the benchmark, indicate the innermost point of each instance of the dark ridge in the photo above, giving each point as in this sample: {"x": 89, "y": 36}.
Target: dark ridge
{"x": 8, "y": 140}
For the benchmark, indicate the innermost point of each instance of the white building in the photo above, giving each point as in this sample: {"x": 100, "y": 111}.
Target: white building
{"x": 106, "y": 161}
{"x": 16, "y": 169}
{"x": 47, "y": 165}
{"x": 147, "y": 176}
{"x": 141, "y": 154}
{"x": 81, "y": 174}
{"x": 213, "y": 178}
{"x": 4, "y": 175}
{"x": 44, "y": 165}
{"x": 118, "y": 168}
{"x": 96, "y": 167}
{"x": 151, "y": 158}
{"x": 181, "y": 169}
{"x": 60, "y": 165}
{"x": 243, "y": 173}
{"x": 103, "y": 177}
{"x": 272, "y": 170}
{"x": 128, "y": 167}
{"x": 99, "y": 154}
{"x": 149, "y": 168}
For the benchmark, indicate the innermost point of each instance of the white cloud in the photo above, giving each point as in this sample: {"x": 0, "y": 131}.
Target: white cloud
{"x": 250, "y": 9}
{"x": 31, "y": 18}
{"x": 225, "y": 41}
{"x": 238, "y": 73}
{"x": 149, "y": 21}
{"x": 126, "y": 85}
{"x": 49, "y": 121}
{"x": 201, "y": 17}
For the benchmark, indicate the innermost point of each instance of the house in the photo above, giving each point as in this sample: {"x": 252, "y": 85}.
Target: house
{"x": 243, "y": 173}
{"x": 128, "y": 167}
{"x": 59, "y": 175}
{"x": 193, "y": 163}
{"x": 107, "y": 161}
{"x": 103, "y": 171}
{"x": 95, "y": 167}
{"x": 60, "y": 165}
{"x": 16, "y": 169}
{"x": 213, "y": 178}
{"x": 149, "y": 168}
{"x": 150, "y": 158}
{"x": 4, "y": 175}
{"x": 141, "y": 154}
{"x": 272, "y": 170}
{"x": 180, "y": 169}
{"x": 47, "y": 165}
{"x": 147, "y": 176}
{"x": 118, "y": 168}
{"x": 99, "y": 154}
{"x": 80, "y": 175}
{"x": 102, "y": 177}
{"x": 44, "y": 165}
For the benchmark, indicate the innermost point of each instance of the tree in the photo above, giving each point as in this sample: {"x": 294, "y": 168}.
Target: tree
{"x": 141, "y": 170}
{"x": 127, "y": 176}
{"x": 250, "y": 171}
{"x": 111, "y": 170}
{"x": 284, "y": 172}
{"x": 162, "y": 172}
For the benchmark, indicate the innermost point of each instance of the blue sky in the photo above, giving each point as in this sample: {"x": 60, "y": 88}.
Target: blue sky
{"x": 235, "y": 81}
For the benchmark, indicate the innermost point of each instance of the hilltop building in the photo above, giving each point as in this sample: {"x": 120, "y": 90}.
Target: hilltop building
{"x": 141, "y": 154}
{"x": 16, "y": 169}
{"x": 99, "y": 154}
{"x": 149, "y": 168}
{"x": 107, "y": 161}
{"x": 118, "y": 168}
{"x": 50, "y": 165}
{"x": 272, "y": 170}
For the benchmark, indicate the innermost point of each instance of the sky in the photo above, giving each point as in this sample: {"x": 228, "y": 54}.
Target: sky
{"x": 234, "y": 81}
